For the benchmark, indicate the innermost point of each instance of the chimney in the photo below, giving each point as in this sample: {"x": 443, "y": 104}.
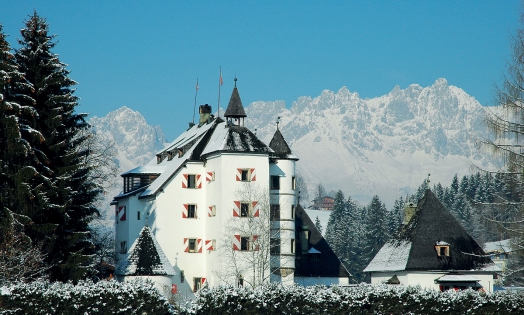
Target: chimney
{"x": 409, "y": 211}
{"x": 205, "y": 112}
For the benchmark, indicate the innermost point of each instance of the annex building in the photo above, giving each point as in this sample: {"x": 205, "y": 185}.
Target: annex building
{"x": 219, "y": 206}
{"x": 434, "y": 251}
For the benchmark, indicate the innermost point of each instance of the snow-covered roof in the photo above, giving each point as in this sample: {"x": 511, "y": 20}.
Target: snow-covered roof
{"x": 431, "y": 224}
{"x": 145, "y": 258}
{"x": 186, "y": 137}
{"x": 170, "y": 167}
{"x": 234, "y": 139}
{"x": 503, "y": 246}
{"x": 146, "y": 169}
{"x": 457, "y": 278}
{"x": 197, "y": 141}
{"x": 441, "y": 243}
{"x": 210, "y": 137}
{"x": 393, "y": 256}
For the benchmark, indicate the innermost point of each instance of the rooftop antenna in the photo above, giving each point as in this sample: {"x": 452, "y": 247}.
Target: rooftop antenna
{"x": 194, "y": 107}
{"x": 220, "y": 82}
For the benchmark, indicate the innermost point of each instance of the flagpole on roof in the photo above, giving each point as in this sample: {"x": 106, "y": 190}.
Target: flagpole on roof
{"x": 194, "y": 107}
{"x": 220, "y": 82}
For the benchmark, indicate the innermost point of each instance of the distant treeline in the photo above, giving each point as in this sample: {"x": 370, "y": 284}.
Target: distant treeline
{"x": 483, "y": 203}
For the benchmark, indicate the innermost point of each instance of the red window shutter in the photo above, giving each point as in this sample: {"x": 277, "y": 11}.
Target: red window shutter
{"x": 184, "y": 211}
{"x": 236, "y": 242}
{"x": 186, "y": 245}
{"x": 184, "y": 181}
{"x": 239, "y": 174}
{"x": 256, "y": 210}
{"x": 253, "y": 175}
{"x": 199, "y": 245}
{"x": 236, "y": 209}
{"x": 199, "y": 181}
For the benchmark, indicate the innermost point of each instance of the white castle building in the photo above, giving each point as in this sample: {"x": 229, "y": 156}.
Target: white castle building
{"x": 219, "y": 206}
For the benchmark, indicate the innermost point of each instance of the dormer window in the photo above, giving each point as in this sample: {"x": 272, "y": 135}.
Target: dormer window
{"x": 442, "y": 249}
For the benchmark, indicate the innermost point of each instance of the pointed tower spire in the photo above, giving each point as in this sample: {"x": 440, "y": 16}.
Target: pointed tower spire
{"x": 235, "y": 110}
{"x": 278, "y": 144}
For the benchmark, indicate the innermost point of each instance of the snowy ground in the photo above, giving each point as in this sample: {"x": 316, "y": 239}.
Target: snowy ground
{"x": 323, "y": 216}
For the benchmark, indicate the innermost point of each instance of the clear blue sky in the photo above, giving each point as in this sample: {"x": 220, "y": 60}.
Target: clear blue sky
{"x": 147, "y": 56}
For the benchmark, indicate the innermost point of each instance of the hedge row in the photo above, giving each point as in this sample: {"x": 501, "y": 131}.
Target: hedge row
{"x": 104, "y": 297}
{"x": 138, "y": 297}
{"x": 363, "y": 299}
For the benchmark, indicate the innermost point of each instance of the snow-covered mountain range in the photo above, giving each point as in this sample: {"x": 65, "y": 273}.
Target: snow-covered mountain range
{"x": 135, "y": 142}
{"x": 383, "y": 146}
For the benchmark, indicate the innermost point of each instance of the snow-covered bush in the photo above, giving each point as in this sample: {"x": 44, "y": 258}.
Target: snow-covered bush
{"x": 362, "y": 299}
{"x": 104, "y": 297}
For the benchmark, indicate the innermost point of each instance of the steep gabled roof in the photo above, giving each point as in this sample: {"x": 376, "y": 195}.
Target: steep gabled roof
{"x": 145, "y": 258}
{"x": 235, "y": 139}
{"x": 279, "y": 145}
{"x": 413, "y": 248}
{"x": 235, "y": 108}
{"x": 328, "y": 265}
{"x": 196, "y": 143}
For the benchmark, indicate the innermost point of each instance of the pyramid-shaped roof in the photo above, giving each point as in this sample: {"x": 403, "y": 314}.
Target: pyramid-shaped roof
{"x": 279, "y": 145}
{"x": 145, "y": 258}
{"x": 328, "y": 265}
{"x": 413, "y": 247}
{"x": 235, "y": 108}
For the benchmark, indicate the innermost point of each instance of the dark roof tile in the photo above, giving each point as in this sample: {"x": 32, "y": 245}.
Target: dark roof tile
{"x": 279, "y": 145}
{"x": 235, "y": 108}
{"x": 328, "y": 265}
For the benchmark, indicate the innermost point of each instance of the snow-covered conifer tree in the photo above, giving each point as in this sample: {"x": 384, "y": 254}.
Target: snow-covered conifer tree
{"x": 64, "y": 225}
{"x": 318, "y": 225}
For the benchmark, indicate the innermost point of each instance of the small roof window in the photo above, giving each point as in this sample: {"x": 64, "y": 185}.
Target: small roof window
{"x": 442, "y": 249}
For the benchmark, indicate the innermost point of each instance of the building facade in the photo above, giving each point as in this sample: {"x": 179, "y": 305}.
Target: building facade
{"x": 219, "y": 205}
{"x": 434, "y": 251}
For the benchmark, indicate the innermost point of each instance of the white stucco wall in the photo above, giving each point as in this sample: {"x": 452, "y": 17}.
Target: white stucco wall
{"x": 163, "y": 214}
{"x": 427, "y": 279}
{"x": 327, "y": 281}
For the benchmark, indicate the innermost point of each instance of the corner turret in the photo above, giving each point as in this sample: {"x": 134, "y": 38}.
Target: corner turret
{"x": 235, "y": 111}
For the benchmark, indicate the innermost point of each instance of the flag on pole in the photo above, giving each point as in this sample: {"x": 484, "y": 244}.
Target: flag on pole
{"x": 221, "y": 81}
{"x": 197, "y": 85}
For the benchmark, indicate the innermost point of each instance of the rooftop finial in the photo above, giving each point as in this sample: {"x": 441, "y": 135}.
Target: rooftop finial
{"x": 278, "y": 121}
{"x": 235, "y": 81}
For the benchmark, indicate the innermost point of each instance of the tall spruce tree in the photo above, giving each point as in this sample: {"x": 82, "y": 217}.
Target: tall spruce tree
{"x": 71, "y": 198}
{"x": 336, "y": 224}
{"x": 395, "y": 216}
{"x": 376, "y": 227}
{"x": 318, "y": 225}
{"x": 20, "y": 181}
